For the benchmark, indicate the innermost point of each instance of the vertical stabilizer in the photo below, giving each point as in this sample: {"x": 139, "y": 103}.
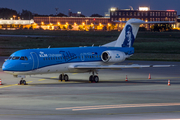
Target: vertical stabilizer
{"x": 128, "y": 34}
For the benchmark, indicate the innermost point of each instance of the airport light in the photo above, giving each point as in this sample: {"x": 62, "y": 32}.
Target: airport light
{"x": 170, "y": 10}
{"x": 83, "y": 23}
{"x": 113, "y": 9}
{"x": 75, "y": 24}
{"x": 79, "y": 12}
{"x": 14, "y": 17}
{"x": 42, "y": 23}
{"x": 144, "y": 8}
{"x": 86, "y": 21}
{"x": 58, "y": 23}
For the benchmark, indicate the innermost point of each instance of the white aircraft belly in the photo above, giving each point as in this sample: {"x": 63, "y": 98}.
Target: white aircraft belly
{"x": 60, "y": 68}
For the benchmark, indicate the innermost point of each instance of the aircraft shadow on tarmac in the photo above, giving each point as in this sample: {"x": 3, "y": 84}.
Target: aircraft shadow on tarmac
{"x": 82, "y": 81}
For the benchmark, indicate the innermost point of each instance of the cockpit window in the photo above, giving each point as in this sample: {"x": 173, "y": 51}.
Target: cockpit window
{"x": 10, "y": 58}
{"x": 26, "y": 58}
{"x": 15, "y": 58}
{"x": 23, "y": 58}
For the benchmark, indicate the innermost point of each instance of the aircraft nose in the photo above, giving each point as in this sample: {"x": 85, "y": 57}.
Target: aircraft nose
{"x": 7, "y": 66}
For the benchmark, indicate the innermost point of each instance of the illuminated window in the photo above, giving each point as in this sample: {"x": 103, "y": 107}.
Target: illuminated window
{"x": 112, "y": 13}
{"x": 146, "y": 13}
{"x": 127, "y": 14}
{"x": 130, "y": 13}
{"x": 167, "y": 13}
{"x": 138, "y": 14}
{"x": 150, "y": 13}
{"x": 115, "y": 13}
{"x": 119, "y": 13}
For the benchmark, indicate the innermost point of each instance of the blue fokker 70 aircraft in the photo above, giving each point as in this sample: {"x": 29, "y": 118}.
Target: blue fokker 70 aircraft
{"x": 77, "y": 59}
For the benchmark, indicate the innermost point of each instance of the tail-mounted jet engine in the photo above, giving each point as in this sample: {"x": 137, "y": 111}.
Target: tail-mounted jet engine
{"x": 113, "y": 56}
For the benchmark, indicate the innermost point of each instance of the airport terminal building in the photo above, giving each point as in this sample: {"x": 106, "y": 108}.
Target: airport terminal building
{"x": 143, "y": 13}
{"x": 93, "y": 23}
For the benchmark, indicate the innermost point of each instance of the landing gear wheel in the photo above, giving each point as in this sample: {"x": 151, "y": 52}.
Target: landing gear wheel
{"x": 21, "y": 81}
{"x": 60, "y": 77}
{"x": 91, "y": 78}
{"x": 24, "y": 82}
{"x": 66, "y": 78}
{"x": 96, "y": 79}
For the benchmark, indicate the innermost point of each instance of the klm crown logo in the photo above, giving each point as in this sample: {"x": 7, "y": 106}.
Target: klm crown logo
{"x": 117, "y": 56}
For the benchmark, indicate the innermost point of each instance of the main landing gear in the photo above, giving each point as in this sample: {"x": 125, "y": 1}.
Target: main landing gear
{"x": 94, "y": 78}
{"x": 63, "y": 77}
{"x": 22, "y": 82}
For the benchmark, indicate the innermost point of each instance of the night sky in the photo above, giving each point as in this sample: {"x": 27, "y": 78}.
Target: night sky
{"x": 87, "y": 7}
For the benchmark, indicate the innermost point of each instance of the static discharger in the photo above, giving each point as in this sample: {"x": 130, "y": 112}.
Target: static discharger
{"x": 126, "y": 78}
{"x": 149, "y": 76}
{"x": 169, "y": 83}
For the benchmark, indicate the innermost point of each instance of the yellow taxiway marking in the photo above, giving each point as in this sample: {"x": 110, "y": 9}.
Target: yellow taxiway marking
{"x": 41, "y": 79}
{"x": 29, "y": 82}
{"x": 98, "y": 107}
{"x": 75, "y": 73}
{"x": 8, "y": 85}
{"x": 53, "y": 77}
{"x": 13, "y": 85}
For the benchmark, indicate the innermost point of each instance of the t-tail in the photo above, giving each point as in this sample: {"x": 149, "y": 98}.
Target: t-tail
{"x": 129, "y": 32}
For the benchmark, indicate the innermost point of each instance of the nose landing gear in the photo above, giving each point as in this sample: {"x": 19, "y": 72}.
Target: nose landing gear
{"x": 22, "y": 82}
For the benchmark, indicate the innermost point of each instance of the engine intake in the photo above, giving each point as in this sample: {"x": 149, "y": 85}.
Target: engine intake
{"x": 113, "y": 56}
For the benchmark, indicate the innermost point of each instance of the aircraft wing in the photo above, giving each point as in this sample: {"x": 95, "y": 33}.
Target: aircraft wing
{"x": 116, "y": 66}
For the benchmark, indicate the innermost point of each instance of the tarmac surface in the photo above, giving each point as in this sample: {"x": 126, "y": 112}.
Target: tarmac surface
{"x": 111, "y": 99}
